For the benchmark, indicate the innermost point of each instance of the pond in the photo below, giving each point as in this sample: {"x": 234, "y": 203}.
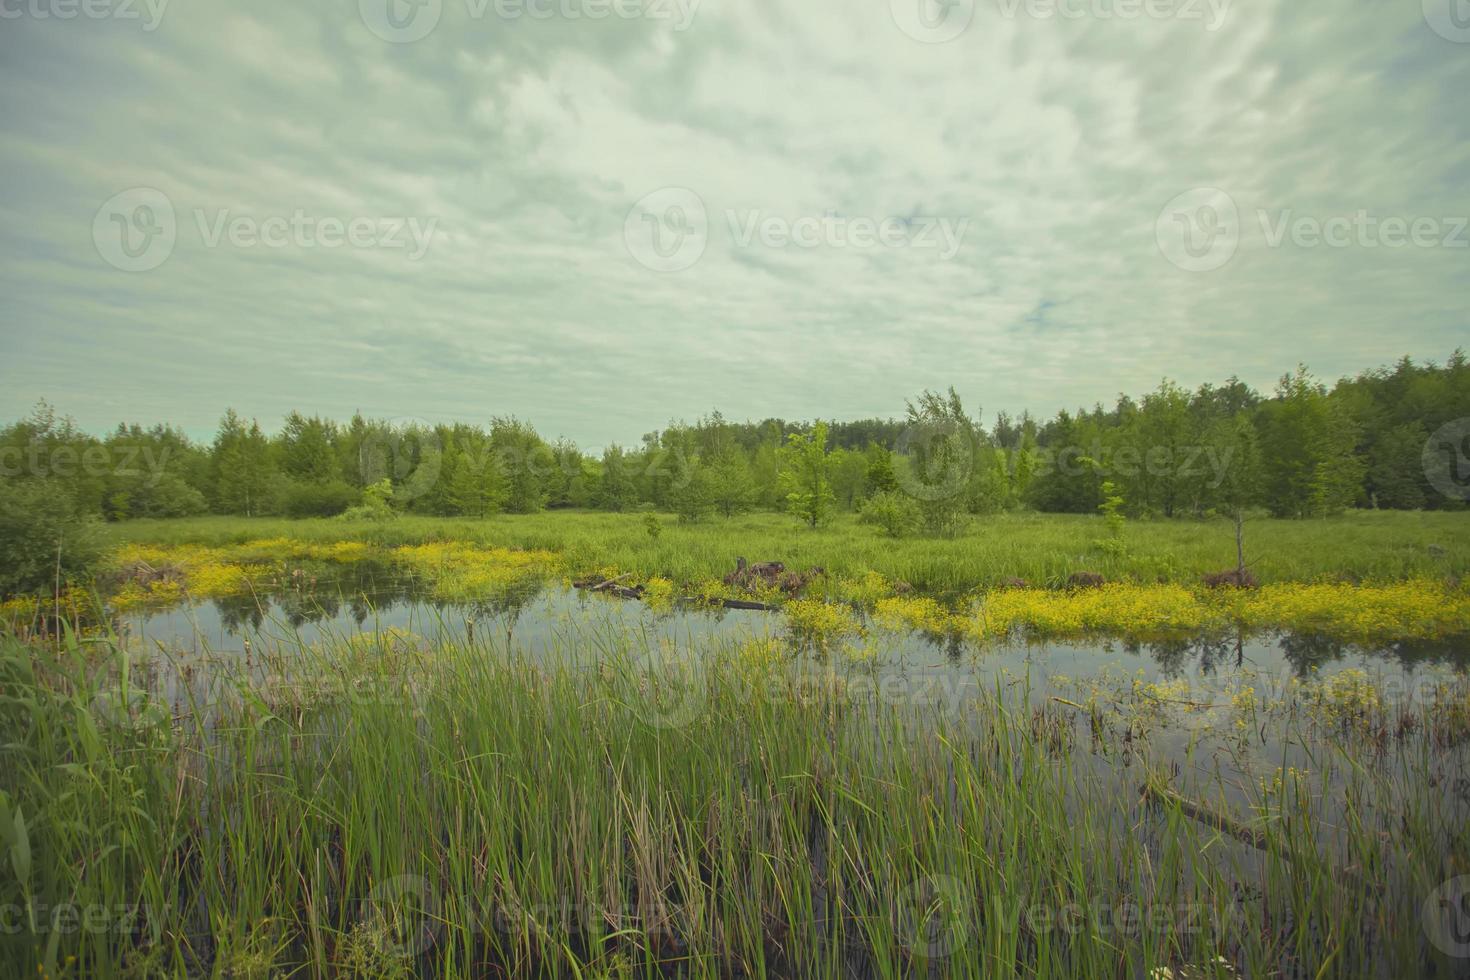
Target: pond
{"x": 1184, "y": 693}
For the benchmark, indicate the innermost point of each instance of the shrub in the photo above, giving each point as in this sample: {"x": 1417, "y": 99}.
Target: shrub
{"x": 894, "y": 512}
{"x": 41, "y": 531}
{"x": 319, "y": 499}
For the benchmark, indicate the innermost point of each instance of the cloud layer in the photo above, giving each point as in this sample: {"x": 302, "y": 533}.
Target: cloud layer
{"x": 433, "y": 209}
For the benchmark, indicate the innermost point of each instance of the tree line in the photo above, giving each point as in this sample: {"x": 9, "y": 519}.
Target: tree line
{"x": 1305, "y": 449}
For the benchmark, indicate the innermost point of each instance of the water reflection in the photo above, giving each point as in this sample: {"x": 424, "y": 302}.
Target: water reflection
{"x": 314, "y": 601}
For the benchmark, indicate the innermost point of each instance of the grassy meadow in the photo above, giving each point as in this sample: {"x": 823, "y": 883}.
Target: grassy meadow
{"x": 1042, "y": 549}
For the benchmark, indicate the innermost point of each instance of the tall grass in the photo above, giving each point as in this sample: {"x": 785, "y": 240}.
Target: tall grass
{"x": 1043, "y": 549}
{"x": 458, "y": 810}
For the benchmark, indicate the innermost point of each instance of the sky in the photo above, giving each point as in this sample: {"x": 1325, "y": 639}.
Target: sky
{"x": 601, "y": 215}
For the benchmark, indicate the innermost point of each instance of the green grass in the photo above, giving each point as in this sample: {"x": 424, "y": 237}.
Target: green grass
{"x": 1043, "y": 549}
{"x": 466, "y": 813}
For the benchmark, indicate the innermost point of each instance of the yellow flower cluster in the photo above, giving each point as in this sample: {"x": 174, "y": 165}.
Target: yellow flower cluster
{"x": 820, "y": 620}
{"x": 913, "y": 613}
{"x": 1370, "y": 613}
{"x": 1402, "y": 610}
{"x": 1128, "y": 609}
{"x": 1348, "y": 695}
{"x": 184, "y": 570}
{"x": 456, "y": 570}
{"x": 658, "y": 593}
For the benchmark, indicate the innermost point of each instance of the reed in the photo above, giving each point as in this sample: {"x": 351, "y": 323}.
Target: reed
{"x": 372, "y": 807}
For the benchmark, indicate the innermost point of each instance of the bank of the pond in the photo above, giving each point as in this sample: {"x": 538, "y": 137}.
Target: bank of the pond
{"x": 1043, "y": 549}
{"x": 142, "y": 576}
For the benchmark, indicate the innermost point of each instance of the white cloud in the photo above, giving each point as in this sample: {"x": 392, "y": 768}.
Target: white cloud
{"x": 527, "y": 141}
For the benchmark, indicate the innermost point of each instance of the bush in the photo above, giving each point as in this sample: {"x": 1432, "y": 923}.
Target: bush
{"x": 896, "y": 513}
{"x": 320, "y": 499}
{"x": 41, "y": 531}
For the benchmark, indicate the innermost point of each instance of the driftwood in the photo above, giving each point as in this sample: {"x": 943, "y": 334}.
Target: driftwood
{"x": 730, "y": 603}
{"x": 1226, "y": 824}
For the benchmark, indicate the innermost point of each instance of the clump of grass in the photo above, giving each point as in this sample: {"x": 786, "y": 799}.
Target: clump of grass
{"x": 729, "y": 808}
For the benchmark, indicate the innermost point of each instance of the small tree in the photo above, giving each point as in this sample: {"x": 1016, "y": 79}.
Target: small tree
{"x": 731, "y": 486}
{"x": 806, "y": 475}
{"x": 894, "y": 512}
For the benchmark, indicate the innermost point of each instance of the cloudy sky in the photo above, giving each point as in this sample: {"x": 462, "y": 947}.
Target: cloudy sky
{"x": 603, "y": 214}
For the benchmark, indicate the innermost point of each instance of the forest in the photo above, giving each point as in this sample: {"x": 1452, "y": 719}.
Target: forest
{"x": 1306, "y": 449}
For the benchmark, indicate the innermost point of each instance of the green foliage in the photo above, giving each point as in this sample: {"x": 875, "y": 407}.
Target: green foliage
{"x": 806, "y": 475}
{"x": 1112, "y": 508}
{"x": 320, "y": 499}
{"x": 43, "y": 537}
{"x": 615, "y": 489}
{"x": 1304, "y": 451}
{"x": 243, "y": 478}
{"x": 692, "y": 497}
{"x": 896, "y": 513}
{"x": 942, "y": 442}
{"x": 376, "y": 503}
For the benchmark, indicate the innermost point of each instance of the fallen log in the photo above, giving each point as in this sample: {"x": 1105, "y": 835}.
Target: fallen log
{"x": 1226, "y": 824}
{"x": 730, "y": 603}
{"x": 598, "y": 585}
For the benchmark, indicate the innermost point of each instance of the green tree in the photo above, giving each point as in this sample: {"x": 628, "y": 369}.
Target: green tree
{"x": 615, "y": 490}
{"x": 731, "y": 484}
{"x": 806, "y": 475}
{"x": 244, "y": 478}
